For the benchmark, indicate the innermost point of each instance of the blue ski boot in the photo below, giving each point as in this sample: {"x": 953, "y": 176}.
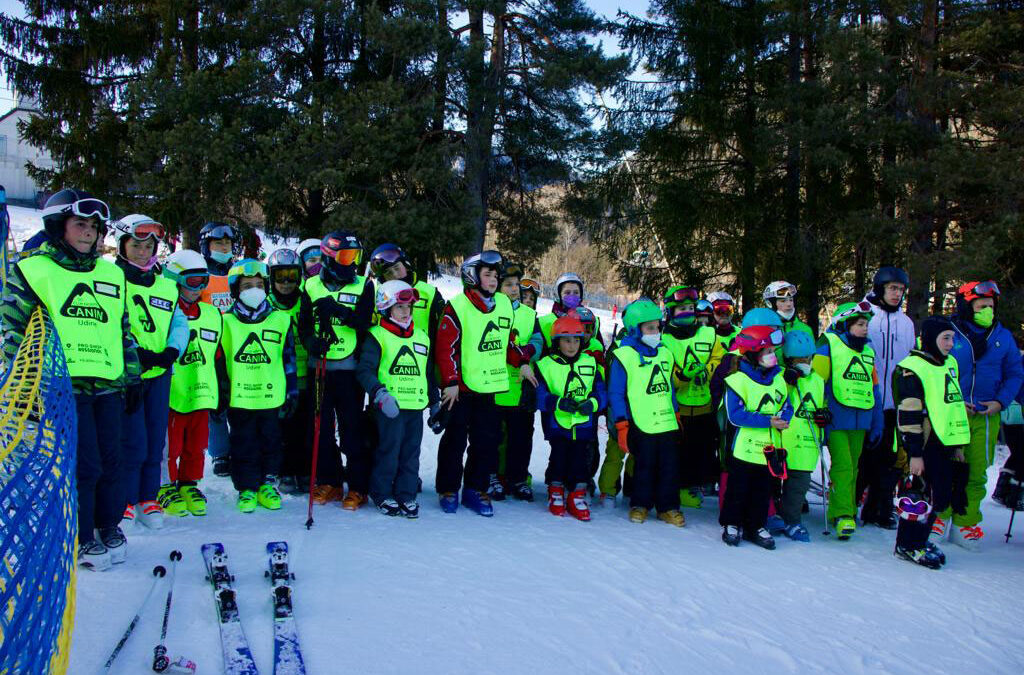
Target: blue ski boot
{"x": 449, "y": 502}
{"x": 480, "y": 503}
{"x": 797, "y": 533}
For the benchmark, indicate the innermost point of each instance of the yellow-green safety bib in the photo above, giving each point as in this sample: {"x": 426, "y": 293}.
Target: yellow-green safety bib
{"x": 348, "y": 295}
{"x": 254, "y": 355}
{"x": 694, "y": 350}
{"x": 150, "y": 310}
{"x": 194, "y": 380}
{"x": 851, "y": 375}
{"x": 649, "y": 389}
{"x": 301, "y": 355}
{"x": 484, "y": 341}
{"x": 569, "y": 380}
{"x": 523, "y": 321}
{"x": 766, "y": 399}
{"x": 403, "y": 366}
{"x": 802, "y": 437}
{"x": 943, "y": 398}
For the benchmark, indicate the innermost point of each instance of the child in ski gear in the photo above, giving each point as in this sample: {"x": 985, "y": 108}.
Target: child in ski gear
{"x": 474, "y": 348}
{"x": 757, "y": 410}
{"x": 644, "y": 410}
{"x": 780, "y": 296}
{"x": 892, "y": 333}
{"x": 845, "y": 359}
{"x": 723, "y": 308}
{"x": 571, "y": 389}
{"x": 611, "y": 479}
{"x": 696, "y": 353}
{"x": 161, "y": 331}
{"x": 389, "y": 262}
{"x": 517, "y": 405}
{"x": 85, "y": 297}
{"x": 286, "y": 269}
{"x": 257, "y": 378}
{"x": 309, "y": 253}
{"x": 705, "y": 313}
{"x": 933, "y": 428}
{"x": 194, "y": 391}
{"x": 802, "y": 439}
{"x": 529, "y": 292}
{"x": 394, "y": 370}
{"x": 990, "y": 377}
{"x": 569, "y": 291}
{"x": 333, "y": 321}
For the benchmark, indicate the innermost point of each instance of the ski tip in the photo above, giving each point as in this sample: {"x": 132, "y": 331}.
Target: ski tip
{"x": 159, "y": 571}
{"x": 175, "y": 555}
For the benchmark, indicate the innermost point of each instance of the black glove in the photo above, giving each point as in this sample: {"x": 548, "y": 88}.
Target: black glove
{"x": 289, "y": 407}
{"x": 438, "y": 418}
{"x": 167, "y": 357}
{"x": 133, "y": 398}
{"x": 327, "y": 308}
{"x": 318, "y": 347}
{"x": 823, "y": 417}
{"x": 791, "y": 375}
{"x": 586, "y": 407}
{"x": 568, "y": 405}
{"x": 147, "y": 359}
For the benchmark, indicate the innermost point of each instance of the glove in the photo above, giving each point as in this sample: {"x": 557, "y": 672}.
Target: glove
{"x": 586, "y": 407}
{"x": 823, "y": 417}
{"x": 438, "y": 418}
{"x": 318, "y": 347}
{"x": 621, "y": 433}
{"x": 327, "y": 308}
{"x": 568, "y": 405}
{"x": 289, "y": 407}
{"x": 147, "y": 358}
{"x": 167, "y": 357}
{"x": 791, "y": 376}
{"x": 386, "y": 403}
{"x": 133, "y": 398}
{"x": 693, "y": 370}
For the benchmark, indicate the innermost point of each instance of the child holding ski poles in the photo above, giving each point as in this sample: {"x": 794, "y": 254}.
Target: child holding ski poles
{"x": 757, "y": 410}
{"x": 571, "y": 389}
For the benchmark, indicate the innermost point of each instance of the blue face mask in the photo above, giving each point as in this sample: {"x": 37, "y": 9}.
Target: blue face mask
{"x": 222, "y": 258}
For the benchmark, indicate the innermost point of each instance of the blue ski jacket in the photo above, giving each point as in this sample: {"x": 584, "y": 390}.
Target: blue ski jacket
{"x": 997, "y": 375}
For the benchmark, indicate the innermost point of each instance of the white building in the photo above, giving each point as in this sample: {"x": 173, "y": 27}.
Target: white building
{"x": 15, "y": 153}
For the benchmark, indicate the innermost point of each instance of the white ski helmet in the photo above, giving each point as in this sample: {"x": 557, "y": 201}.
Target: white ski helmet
{"x": 392, "y": 292}
{"x": 307, "y": 244}
{"x": 183, "y": 264}
{"x": 564, "y": 279}
{"x": 720, "y": 296}
{"x": 777, "y": 290}
{"x": 136, "y": 226}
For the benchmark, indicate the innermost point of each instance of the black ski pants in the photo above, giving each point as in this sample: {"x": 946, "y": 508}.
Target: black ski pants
{"x": 474, "y": 418}
{"x": 747, "y": 495}
{"x": 255, "y": 437}
{"x": 655, "y": 471}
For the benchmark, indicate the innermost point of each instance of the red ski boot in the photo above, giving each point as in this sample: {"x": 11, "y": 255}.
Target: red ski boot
{"x": 556, "y": 500}
{"x": 578, "y": 506}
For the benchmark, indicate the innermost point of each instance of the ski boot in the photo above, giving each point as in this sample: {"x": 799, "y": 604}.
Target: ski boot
{"x": 523, "y": 492}
{"x": 797, "y": 532}
{"x": 775, "y": 524}
{"x": 269, "y": 497}
{"x": 731, "y": 535}
{"x": 478, "y": 502}
{"x": 171, "y": 501}
{"x": 578, "y": 507}
{"x": 353, "y": 500}
{"x": 449, "y": 502}
{"x": 495, "y": 489}
{"x": 762, "y": 538}
{"x": 114, "y": 541}
{"x": 195, "y": 500}
{"x": 410, "y": 510}
{"x": 940, "y": 531}
{"x": 637, "y": 514}
{"x": 845, "y": 527}
{"x": 389, "y": 507}
{"x": 322, "y": 494}
{"x": 1009, "y": 492}
{"x": 128, "y": 517}
{"x": 222, "y": 466}
{"x": 93, "y": 555}
{"x": 967, "y": 537}
{"x": 690, "y": 498}
{"x": 556, "y": 500}
{"x": 935, "y": 552}
{"x": 247, "y": 501}
{"x": 606, "y": 500}
{"x": 151, "y": 515}
{"x": 672, "y": 517}
{"x": 919, "y": 556}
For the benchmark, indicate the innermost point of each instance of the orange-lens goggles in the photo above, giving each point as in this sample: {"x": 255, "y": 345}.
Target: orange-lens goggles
{"x": 346, "y": 256}
{"x": 286, "y": 275}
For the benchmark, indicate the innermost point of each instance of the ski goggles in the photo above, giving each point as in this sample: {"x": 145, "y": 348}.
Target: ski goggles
{"x": 248, "y": 268}
{"x": 386, "y": 258}
{"x": 785, "y": 293}
{"x": 513, "y": 270}
{"x": 912, "y": 509}
{"x": 222, "y": 232}
{"x": 195, "y": 280}
{"x": 491, "y": 259}
{"x": 861, "y": 308}
{"x": 341, "y": 251}
{"x": 83, "y": 208}
{"x": 406, "y": 296}
{"x": 143, "y": 231}
{"x": 982, "y": 289}
{"x": 310, "y": 254}
{"x": 723, "y": 307}
{"x": 529, "y": 285}
{"x": 287, "y": 274}
{"x": 680, "y": 295}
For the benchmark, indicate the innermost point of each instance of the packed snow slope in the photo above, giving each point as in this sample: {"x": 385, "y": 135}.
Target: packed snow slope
{"x": 525, "y": 591}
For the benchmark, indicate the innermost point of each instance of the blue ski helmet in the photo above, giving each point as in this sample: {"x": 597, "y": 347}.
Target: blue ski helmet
{"x": 797, "y": 345}
{"x": 761, "y": 316}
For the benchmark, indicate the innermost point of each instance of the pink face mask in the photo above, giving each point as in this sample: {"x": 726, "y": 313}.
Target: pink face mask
{"x": 571, "y": 301}
{"x": 768, "y": 359}
{"x": 147, "y": 267}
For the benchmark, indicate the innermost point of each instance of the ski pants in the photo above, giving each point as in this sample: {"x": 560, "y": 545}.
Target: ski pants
{"x": 979, "y": 454}
{"x": 255, "y": 446}
{"x": 568, "y": 462}
{"x": 655, "y": 474}
{"x": 698, "y": 451}
{"x": 610, "y": 479}
{"x": 143, "y": 436}
{"x": 219, "y": 437}
{"x": 188, "y": 434}
{"x": 518, "y": 424}
{"x": 474, "y": 418}
{"x": 938, "y": 474}
{"x": 844, "y": 448}
{"x": 343, "y": 400}
{"x": 396, "y": 463}
{"x": 878, "y": 473}
{"x": 794, "y": 492}
{"x": 100, "y": 488}
{"x": 745, "y": 504}
{"x": 1014, "y": 435}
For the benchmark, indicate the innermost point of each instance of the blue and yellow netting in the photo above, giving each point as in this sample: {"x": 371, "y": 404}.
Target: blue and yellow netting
{"x": 38, "y": 513}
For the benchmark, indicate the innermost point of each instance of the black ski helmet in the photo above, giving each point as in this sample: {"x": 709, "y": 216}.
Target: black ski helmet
{"x": 338, "y": 264}
{"x": 215, "y": 230}
{"x": 470, "y": 270}
{"x": 887, "y": 275}
{"x": 72, "y": 202}
{"x": 386, "y": 256}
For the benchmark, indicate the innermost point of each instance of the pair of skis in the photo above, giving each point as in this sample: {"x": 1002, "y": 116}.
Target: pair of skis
{"x": 237, "y": 655}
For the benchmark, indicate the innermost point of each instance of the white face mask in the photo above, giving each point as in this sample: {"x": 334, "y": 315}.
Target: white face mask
{"x": 252, "y": 297}
{"x": 804, "y": 368}
{"x": 651, "y": 340}
{"x": 787, "y": 315}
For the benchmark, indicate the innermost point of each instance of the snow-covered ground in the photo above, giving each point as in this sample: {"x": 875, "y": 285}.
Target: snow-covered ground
{"x": 527, "y": 592}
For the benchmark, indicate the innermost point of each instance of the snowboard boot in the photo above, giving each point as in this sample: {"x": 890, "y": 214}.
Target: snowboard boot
{"x": 690, "y": 498}
{"x": 171, "y": 501}
{"x": 731, "y": 535}
{"x": 389, "y": 507}
{"x": 919, "y": 556}
{"x": 93, "y": 555}
{"x": 672, "y": 517}
{"x": 269, "y": 497}
{"x": 637, "y": 514}
{"x": 353, "y": 500}
{"x": 845, "y": 527}
{"x": 114, "y": 541}
{"x": 797, "y": 532}
{"x": 322, "y": 494}
{"x": 578, "y": 507}
{"x": 762, "y": 538}
{"x": 222, "y": 466}
{"x": 523, "y": 492}
{"x": 247, "y": 501}
{"x": 556, "y": 500}
{"x": 410, "y": 510}
{"x": 195, "y": 500}
{"x": 967, "y": 537}
{"x": 478, "y": 502}
{"x": 151, "y": 515}
{"x": 495, "y": 489}
{"x": 449, "y": 502}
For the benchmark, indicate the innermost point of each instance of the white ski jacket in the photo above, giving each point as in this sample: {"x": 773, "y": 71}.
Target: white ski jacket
{"x": 892, "y": 335}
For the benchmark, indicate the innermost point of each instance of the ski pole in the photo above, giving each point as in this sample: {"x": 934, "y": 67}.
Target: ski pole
{"x": 824, "y": 484}
{"x": 318, "y": 396}
{"x": 160, "y": 661}
{"x": 158, "y": 572}
{"x": 1009, "y": 528}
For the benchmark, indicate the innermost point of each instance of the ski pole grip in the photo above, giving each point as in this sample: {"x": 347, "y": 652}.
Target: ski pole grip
{"x": 175, "y": 555}
{"x": 159, "y": 571}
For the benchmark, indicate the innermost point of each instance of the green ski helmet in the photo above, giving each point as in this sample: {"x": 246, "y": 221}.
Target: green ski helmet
{"x": 850, "y": 311}
{"x": 640, "y": 311}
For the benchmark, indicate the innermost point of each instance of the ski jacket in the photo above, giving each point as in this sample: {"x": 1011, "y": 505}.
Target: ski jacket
{"x": 736, "y": 409}
{"x": 617, "y": 401}
{"x": 892, "y": 335}
{"x": 547, "y": 401}
{"x": 247, "y": 316}
{"x": 360, "y": 321}
{"x": 845, "y": 418}
{"x": 997, "y": 375}
{"x": 369, "y": 362}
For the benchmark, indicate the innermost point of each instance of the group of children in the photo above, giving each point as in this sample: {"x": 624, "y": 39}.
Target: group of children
{"x": 279, "y": 368}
